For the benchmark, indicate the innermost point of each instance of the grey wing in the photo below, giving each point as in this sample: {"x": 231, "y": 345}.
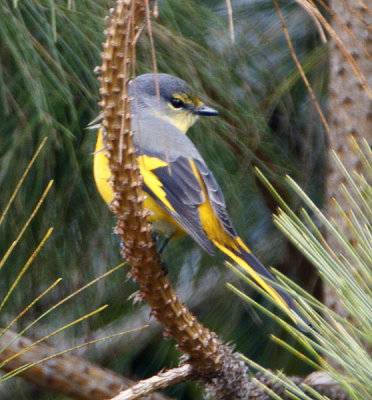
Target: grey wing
{"x": 185, "y": 195}
{"x": 181, "y": 186}
{"x": 216, "y": 197}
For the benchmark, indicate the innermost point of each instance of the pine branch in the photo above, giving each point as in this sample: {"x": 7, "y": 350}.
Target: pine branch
{"x": 207, "y": 355}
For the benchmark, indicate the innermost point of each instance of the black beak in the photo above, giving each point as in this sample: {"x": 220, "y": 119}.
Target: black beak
{"x": 204, "y": 110}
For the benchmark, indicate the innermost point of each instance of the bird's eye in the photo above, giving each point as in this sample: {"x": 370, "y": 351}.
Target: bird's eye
{"x": 176, "y": 103}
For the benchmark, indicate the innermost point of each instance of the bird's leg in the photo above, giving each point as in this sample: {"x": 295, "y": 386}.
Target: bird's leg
{"x": 161, "y": 249}
{"x": 155, "y": 237}
{"x": 164, "y": 268}
{"x": 164, "y": 243}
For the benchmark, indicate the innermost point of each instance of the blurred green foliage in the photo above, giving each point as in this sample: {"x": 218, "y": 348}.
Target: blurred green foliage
{"x": 48, "y": 51}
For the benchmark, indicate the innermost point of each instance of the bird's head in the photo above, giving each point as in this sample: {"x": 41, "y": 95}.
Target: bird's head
{"x": 169, "y": 98}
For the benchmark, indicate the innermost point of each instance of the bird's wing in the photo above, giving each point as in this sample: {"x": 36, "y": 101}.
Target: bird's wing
{"x": 181, "y": 186}
{"x": 216, "y": 197}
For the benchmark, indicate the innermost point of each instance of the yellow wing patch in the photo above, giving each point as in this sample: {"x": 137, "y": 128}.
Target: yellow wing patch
{"x": 147, "y": 164}
{"x": 209, "y": 221}
{"x": 102, "y": 175}
{"x": 257, "y": 277}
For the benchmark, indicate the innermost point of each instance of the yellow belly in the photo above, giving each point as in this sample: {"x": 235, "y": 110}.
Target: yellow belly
{"x": 163, "y": 223}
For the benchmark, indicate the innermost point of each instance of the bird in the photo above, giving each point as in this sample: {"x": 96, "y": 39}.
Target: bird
{"x": 181, "y": 192}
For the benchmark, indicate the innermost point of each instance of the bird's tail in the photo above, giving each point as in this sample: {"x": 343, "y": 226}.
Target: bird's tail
{"x": 241, "y": 255}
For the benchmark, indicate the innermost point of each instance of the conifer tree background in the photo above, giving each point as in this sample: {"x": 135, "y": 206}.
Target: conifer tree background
{"x": 48, "y": 52}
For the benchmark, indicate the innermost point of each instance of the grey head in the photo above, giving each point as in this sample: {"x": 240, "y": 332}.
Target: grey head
{"x": 167, "y": 97}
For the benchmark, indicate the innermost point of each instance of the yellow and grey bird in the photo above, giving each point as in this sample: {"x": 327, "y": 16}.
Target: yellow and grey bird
{"x": 181, "y": 192}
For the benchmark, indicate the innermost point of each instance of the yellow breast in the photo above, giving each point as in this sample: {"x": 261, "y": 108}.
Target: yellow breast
{"x": 163, "y": 222}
